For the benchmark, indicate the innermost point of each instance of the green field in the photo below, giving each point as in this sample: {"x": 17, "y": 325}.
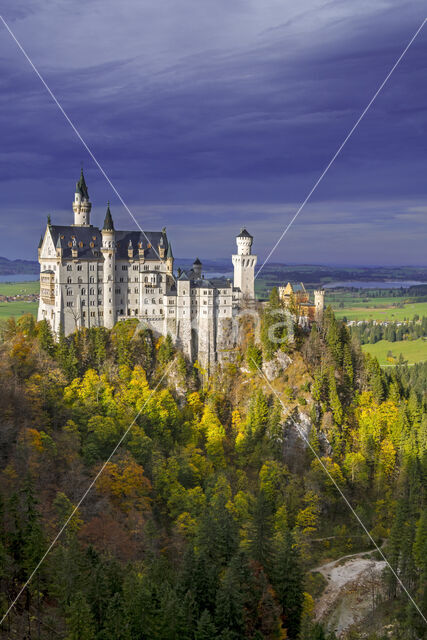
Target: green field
{"x": 17, "y": 308}
{"x": 19, "y": 288}
{"x": 412, "y": 350}
{"x": 377, "y": 312}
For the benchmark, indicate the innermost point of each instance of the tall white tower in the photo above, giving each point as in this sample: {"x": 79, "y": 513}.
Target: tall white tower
{"x": 244, "y": 264}
{"x": 319, "y": 303}
{"x": 109, "y": 253}
{"x": 81, "y": 204}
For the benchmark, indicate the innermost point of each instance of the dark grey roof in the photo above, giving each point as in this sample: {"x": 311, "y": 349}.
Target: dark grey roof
{"x": 40, "y": 242}
{"x": 108, "y": 221}
{"x": 197, "y": 261}
{"x": 81, "y": 187}
{"x": 87, "y": 235}
{"x": 183, "y": 276}
{"x": 244, "y": 234}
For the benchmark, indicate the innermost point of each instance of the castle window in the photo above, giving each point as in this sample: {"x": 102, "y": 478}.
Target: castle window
{"x": 99, "y": 291}
{"x": 160, "y": 301}
{"x": 153, "y": 301}
{"x": 136, "y": 289}
{"x": 92, "y": 267}
{"x": 69, "y": 303}
{"x": 79, "y": 280}
{"x": 81, "y": 244}
{"x": 91, "y": 279}
{"x": 121, "y": 280}
{"x": 79, "y": 267}
{"x": 83, "y": 292}
{"x": 135, "y": 267}
{"x": 154, "y": 312}
{"x": 92, "y": 292}
{"x": 69, "y": 292}
{"x": 69, "y": 280}
{"x": 69, "y": 267}
{"x": 124, "y": 267}
{"x": 145, "y": 300}
{"x": 83, "y": 303}
{"x": 161, "y": 311}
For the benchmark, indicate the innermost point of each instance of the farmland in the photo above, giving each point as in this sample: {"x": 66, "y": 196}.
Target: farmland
{"x": 412, "y": 351}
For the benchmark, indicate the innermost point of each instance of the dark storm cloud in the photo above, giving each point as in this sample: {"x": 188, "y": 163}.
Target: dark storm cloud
{"x": 234, "y": 129}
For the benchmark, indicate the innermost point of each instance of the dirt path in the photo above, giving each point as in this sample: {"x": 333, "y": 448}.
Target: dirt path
{"x": 353, "y": 580}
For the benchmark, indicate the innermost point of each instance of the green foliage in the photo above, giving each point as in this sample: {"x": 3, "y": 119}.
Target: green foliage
{"x": 197, "y": 528}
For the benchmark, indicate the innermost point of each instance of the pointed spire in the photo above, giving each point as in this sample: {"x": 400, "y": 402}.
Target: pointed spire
{"x": 59, "y": 243}
{"x": 169, "y": 253}
{"x": 81, "y": 186}
{"x": 197, "y": 261}
{"x": 48, "y": 221}
{"x": 108, "y": 222}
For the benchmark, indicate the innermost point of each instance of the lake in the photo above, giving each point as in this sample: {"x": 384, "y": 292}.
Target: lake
{"x": 20, "y": 277}
{"x": 363, "y": 284}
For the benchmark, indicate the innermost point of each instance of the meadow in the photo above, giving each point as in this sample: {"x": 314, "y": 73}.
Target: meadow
{"x": 17, "y": 308}
{"x": 412, "y": 351}
{"x": 19, "y": 288}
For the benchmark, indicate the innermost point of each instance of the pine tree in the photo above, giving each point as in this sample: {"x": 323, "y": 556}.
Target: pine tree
{"x": 45, "y": 337}
{"x": 287, "y": 578}
{"x": 260, "y": 543}
{"x": 206, "y": 629}
{"x": 79, "y": 618}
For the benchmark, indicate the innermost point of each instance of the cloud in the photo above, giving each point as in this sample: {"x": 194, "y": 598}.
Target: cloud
{"x": 218, "y": 114}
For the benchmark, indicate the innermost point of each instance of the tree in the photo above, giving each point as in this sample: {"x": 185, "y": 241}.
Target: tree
{"x": 79, "y": 618}
{"x": 287, "y": 580}
{"x": 206, "y": 629}
{"x": 261, "y": 526}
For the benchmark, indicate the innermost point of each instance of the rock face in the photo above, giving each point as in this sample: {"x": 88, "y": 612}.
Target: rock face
{"x": 352, "y": 592}
{"x": 278, "y": 364}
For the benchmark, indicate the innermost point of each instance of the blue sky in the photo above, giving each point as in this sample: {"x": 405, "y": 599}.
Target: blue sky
{"x": 212, "y": 114}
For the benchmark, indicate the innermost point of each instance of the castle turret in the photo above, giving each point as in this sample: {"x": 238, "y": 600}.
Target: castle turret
{"x": 197, "y": 268}
{"x": 169, "y": 258}
{"x": 108, "y": 251}
{"x": 244, "y": 264}
{"x": 81, "y": 204}
{"x": 319, "y": 303}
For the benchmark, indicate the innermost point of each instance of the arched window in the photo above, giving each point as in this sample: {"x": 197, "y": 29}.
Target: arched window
{"x": 69, "y": 280}
{"x": 92, "y": 292}
{"x": 83, "y": 292}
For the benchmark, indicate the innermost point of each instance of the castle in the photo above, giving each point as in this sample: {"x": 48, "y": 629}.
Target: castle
{"x": 297, "y": 298}
{"x": 91, "y": 277}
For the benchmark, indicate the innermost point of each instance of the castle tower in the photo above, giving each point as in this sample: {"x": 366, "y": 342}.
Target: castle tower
{"x": 81, "y": 204}
{"x": 197, "y": 268}
{"x": 244, "y": 264}
{"x": 108, "y": 251}
{"x": 319, "y": 303}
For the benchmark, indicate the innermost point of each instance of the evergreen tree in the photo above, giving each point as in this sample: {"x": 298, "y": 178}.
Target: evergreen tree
{"x": 287, "y": 580}
{"x": 260, "y": 533}
{"x": 206, "y": 629}
{"x": 80, "y": 623}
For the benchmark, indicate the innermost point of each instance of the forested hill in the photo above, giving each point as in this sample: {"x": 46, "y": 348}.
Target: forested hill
{"x": 208, "y": 520}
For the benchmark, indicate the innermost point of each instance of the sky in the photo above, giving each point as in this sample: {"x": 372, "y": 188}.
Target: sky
{"x": 210, "y": 115}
